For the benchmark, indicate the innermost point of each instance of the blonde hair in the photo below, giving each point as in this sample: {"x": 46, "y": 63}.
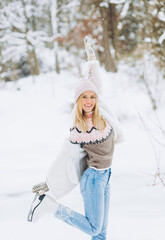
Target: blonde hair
{"x": 80, "y": 120}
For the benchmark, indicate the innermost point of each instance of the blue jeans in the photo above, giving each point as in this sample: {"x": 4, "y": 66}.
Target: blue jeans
{"x": 95, "y": 190}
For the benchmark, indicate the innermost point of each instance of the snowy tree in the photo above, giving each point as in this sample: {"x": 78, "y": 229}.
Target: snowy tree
{"x": 120, "y": 29}
{"x": 157, "y": 16}
{"x": 81, "y": 18}
{"x": 24, "y": 30}
{"x": 141, "y": 29}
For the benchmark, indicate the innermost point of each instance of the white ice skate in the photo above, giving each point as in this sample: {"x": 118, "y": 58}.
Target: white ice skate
{"x": 41, "y": 205}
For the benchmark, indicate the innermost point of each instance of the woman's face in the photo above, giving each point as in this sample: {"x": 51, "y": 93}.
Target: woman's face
{"x": 88, "y": 101}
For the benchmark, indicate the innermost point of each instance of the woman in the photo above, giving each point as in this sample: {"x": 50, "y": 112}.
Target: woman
{"x": 86, "y": 158}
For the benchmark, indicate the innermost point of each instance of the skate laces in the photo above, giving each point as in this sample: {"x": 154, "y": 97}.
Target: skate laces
{"x": 40, "y": 188}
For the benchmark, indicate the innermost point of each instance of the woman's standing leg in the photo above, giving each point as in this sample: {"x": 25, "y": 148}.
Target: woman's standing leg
{"x": 103, "y": 233}
{"x": 92, "y": 189}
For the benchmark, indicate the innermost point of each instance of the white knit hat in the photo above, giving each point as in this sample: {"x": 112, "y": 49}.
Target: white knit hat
{"x": 83, "y": 86}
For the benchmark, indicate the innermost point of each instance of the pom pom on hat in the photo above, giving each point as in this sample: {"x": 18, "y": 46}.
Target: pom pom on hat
{"x": 83, "y": 86}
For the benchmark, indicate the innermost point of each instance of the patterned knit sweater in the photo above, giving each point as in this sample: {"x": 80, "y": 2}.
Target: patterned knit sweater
{"x": 99, "y": 145}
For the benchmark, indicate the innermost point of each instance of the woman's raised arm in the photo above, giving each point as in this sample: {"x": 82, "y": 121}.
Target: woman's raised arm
{"x": 93, "y": 65}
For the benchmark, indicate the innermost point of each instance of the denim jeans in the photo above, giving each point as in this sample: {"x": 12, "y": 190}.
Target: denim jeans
{"x": 95, "y": 190}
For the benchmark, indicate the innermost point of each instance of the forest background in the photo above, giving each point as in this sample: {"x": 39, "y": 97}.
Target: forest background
{"x": 122, "y": 30}
{"x": 42, "y": 57}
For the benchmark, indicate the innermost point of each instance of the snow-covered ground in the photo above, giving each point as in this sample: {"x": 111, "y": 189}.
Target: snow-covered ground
{"x": 34, "y": 120}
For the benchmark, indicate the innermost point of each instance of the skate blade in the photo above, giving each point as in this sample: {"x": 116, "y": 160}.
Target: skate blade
{"x": 29, "y": 217}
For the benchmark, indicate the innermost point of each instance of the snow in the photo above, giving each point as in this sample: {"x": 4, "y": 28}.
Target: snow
{"x": 104, "y": 4}
{"x": 34, "y": 120}
{"x": 117, "y": 1}
{"x": 161, "y": 16}
{"x": 70, "y": 5}
{"x": 147, "y": 40}
{"x": 162, "y": 38}
{"x": 125, "y": 9}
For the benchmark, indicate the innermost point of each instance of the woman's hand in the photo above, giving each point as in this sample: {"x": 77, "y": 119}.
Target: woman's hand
{"x": 89, "y": 50}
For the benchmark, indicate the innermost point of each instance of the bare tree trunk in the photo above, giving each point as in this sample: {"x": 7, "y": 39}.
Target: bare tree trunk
{"x": 54, "y": 31}
{"x": 36, "y": 65}
{"x": 113, "y": 22}
{"x": 32, "y": 58}
{"x": 109, "y": 62}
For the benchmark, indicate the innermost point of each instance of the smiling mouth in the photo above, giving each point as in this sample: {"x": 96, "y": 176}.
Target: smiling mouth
{"x": 88, "y": 105}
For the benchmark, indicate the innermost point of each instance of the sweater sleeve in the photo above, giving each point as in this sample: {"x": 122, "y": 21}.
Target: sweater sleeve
{"x": 94, "y": 75}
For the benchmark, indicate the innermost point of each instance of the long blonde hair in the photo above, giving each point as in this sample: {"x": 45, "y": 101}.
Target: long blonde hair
{"x": 80, "y": 120}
